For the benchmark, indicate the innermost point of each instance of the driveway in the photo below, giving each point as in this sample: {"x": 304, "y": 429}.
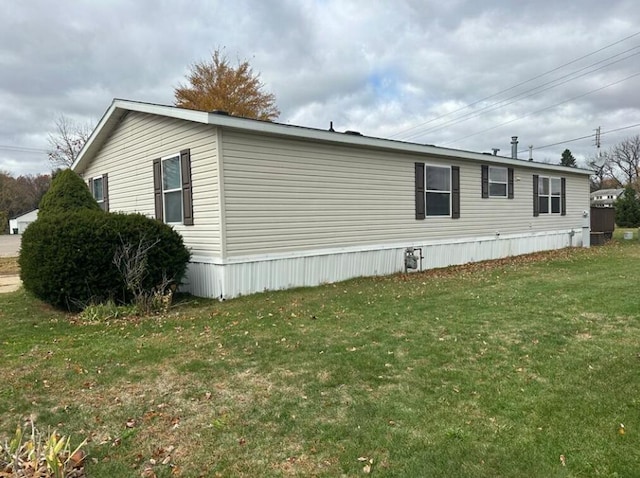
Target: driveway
{"x": 9, "y": 283}
{"x": 10, "y": 245}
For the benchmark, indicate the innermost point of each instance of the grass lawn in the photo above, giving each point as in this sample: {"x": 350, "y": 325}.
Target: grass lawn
{"x": 522, "y": 367}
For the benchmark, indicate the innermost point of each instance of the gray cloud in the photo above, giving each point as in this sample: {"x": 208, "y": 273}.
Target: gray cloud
{"x": 380, "y": 68}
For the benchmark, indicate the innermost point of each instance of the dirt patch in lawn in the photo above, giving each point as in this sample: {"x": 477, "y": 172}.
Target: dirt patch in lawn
{"x": 9, "y": 266}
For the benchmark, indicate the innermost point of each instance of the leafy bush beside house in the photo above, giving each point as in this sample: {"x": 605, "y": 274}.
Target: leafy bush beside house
{"x": 68, "y": 260}
{"x": 67, "y": 193}
{"x": 68, "y": 254}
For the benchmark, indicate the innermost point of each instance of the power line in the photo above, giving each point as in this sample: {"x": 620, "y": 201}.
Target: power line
{"x": 582, "y": 137}
{"x": 543, "y": 109}
{"x": 532, "y": 92}
{"x": 517, "y": 85}
{"x": 22, "y": 149}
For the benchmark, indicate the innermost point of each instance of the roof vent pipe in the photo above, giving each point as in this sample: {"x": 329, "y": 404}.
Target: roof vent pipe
{"x": 530, "y": 152}
{"x": 514, "y": 147}
{"x": 495, "y": 151}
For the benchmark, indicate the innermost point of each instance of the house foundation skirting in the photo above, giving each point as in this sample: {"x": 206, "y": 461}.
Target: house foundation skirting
{"x": 225, "y": 279}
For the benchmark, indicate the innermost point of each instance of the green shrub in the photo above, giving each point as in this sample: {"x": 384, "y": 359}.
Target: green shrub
{"x": 628, "y": 209}
{"x": 67, "y": 259}
{"x": 67, "y": 193}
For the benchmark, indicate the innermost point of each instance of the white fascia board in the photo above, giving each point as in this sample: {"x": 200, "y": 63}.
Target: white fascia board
{"x": 91, "y": 143}
{"x": 119, "y": 107}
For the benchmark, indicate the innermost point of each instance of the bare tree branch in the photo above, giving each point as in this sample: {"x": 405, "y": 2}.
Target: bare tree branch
{"x": 625, "y": 157}
{"x": 67, "y": 141}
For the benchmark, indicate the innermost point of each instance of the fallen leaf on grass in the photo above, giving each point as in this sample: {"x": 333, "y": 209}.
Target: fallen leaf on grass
{"x": 148, "y": 473}
{"x": 563, "y": 460}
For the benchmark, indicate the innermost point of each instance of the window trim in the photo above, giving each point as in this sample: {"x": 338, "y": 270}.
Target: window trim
{"x": 485, "y": 185}
{"x": 550, "y": 194}
{"x": 186, "y": 187}
{"x": 420, "y": 185}
{"x": 173, "y": 190}
{"x": 437, "y": 191}
{"x": 103, "y": 200}
{"x": 92, "y": 183}
{"x": 538, "y": 196}
{"x": 505, "y": 183}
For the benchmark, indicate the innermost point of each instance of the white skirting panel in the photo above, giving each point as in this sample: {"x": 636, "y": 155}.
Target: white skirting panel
{"x": 211, "y": 277}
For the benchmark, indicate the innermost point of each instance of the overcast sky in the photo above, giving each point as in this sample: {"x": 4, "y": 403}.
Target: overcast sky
{"x": 546, "y": 71}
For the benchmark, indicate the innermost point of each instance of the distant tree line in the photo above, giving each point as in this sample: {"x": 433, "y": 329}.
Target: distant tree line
{"x": 20, "y": 195}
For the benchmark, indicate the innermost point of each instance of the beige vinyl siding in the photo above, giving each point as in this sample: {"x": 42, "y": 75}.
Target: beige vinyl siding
{"x": 290, "y": 195}
{"x": 128, "y": 154}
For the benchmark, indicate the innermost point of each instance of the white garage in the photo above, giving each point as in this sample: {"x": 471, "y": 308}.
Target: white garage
{"x": 18, "y": 224}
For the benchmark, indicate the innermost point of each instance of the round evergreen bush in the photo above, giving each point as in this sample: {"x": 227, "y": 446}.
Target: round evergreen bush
{"x": 67, "y": 259}
{"x": 67, "y": 192}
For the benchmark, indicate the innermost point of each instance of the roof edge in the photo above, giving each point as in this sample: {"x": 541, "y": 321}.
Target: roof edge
{"x": 119, "y": 107}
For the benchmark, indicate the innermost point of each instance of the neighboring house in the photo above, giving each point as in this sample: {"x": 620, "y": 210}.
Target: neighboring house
{"x": 18, "y": 224}
{"x": 266, "y": 206}
{"x": 605, "y": 197}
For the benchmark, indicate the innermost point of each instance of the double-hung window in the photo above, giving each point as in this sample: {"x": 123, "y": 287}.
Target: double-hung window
{"x": 437, "y": 190}
{"x": 549, "y": 196}
{"x": 497, "y": 182}
{"x": 172, "y": 188}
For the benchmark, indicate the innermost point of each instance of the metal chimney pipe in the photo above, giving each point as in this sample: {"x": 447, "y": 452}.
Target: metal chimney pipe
{"x": 514, "y": 147}
{"x": 530, "y": 152}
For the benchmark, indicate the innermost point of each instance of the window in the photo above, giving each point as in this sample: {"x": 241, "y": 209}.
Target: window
{"x": 437, "y": 191}
{"x": 172, "y": 188}
{"x": 497, "y": 182}
{"x": 99, "y": 188}
{"x": 549, "y": 195}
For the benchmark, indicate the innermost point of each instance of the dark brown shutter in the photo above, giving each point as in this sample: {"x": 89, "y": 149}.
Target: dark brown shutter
{"x": 510, "y": 183}
{"x": 187, "y": 194}
{"x": 563, "y": 195}
{"x": 485, "y": 181}
{"x": 536, "y": 203}
{"x": 105, "y": 192}
{"x": 455, "y": 192}
{"x": 420, "y": 206}
{"x": 157, "y": 187}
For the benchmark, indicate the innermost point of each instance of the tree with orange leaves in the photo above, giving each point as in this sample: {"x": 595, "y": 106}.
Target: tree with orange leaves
{"x": 218, "y": 85}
